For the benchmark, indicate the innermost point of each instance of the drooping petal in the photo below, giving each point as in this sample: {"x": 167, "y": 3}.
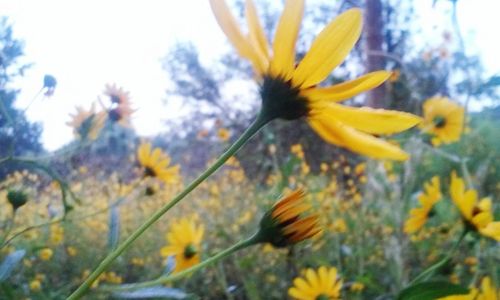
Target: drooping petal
{"x": 230, "y": 27}
{"x": 329, "y": 49}
{"x": 369, "y": 120}
{"x": 492, "y": 230}
{"x": 335, "y": 132}
{"x": 346, "y": 90}
{"x": 256, "y": 32}
{"x": 283, "y": 62}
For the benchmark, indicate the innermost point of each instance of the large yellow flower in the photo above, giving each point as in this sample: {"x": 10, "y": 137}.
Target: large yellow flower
{"x": 322, "y": 284}
{"x": 444, "y": 119}
{"x": 156, "y": 164}
{"x": 184, "y": 243}
{"x": 418, "y": 216}
{"x": 290, "y": 92}
{"x": 477, "y": 215}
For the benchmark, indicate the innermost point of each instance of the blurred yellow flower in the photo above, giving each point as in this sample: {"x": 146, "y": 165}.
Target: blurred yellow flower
{"x": 443, "y": 119}
{"x": 488, "y": 291}
{"x": 71, "y": 251}
{"x": 87, "y": 124}
{"x": 285, "y": 224}
{"x": 418, "y": 216}
{"x": 184, "y": 243}
{"x": 297, "y": 150}
{"x": 339, "y": 226}
{"x": 477, "y": 214}
{"x": 116, "y": 94}
{"x": 156, "y": 164}
{"x": 56, "y": 234}
{"x": 223, "y": 134}
{"x": 470, "y": 260}
{"x": 322, "y": 284}
{"x": 357, "y": 287}
{"x": 45, "y": 254}
{"x": 121, "y": 108}
{"x": 290, "y": 91}
{"x": 35, "y": 285}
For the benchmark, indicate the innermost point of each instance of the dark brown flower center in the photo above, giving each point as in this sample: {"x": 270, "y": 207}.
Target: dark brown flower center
{"x": 280, "y": 100}
{"x": 115, "y": 115}
{"x": 439, "y": 121}
{"x": 190, "y": 251}
{"x": 115, "y": 99}
{"x": 149, "y": 172}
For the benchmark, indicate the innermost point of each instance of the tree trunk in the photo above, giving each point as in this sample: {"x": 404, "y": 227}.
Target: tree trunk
{"x": 373, "y": 48}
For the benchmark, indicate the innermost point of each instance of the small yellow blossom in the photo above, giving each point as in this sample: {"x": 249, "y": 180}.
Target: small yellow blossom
{"x": 317, "y": 284}
{"x": 45, "y": 254}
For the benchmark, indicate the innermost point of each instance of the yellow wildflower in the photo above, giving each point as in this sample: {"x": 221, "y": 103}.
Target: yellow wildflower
{"x": 290, "y": 91}
{"x": 45, "y": 254}
{"x": 87, "y": 124}
{"x": 184, "y": 243}
{"x": 427, "y": 199}
{"x": 35, "y": 285}
{"x": 317, "y": 284}
{"x": 285, "y": 224}
{"x": 223, "y": 134}
{"x": 156, "y": 164}
{"x": 444, "y": 119}
{"x": 477, "y": 214}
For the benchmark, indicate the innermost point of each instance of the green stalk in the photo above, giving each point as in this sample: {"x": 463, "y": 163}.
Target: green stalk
{"x": 8, "y": 227}
{"x": 173, "y": 277}
{"x": 440, "y": 263}
{"x": 254, "y": 128}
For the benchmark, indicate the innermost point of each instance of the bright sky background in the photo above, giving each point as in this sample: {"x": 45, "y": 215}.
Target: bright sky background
{"x": 86, "y": 44}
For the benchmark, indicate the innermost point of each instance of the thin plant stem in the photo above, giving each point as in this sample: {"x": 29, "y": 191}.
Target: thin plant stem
{"x": 9, "y": 227}
{"x": 58, "y": 220}
{"x": 254, "y": 128}
{"x": 174, "y": 277}
{"x": 425, "y": 274}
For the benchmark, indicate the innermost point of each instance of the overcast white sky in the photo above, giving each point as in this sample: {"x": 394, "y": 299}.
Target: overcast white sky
{"x": 86, "y": 44}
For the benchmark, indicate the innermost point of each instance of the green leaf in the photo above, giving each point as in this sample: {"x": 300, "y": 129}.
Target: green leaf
{"x": 114, "y": 227}
{"x": 431, "y": 291}
{"x": 10, "y": 262}
{"x": 157, "y": 292}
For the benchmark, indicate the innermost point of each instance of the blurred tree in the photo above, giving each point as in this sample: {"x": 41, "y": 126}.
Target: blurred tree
{"x": 17, "y": 135}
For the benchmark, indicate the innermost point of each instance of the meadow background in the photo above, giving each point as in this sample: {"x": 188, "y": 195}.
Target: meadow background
{"x": 85, "y": 197}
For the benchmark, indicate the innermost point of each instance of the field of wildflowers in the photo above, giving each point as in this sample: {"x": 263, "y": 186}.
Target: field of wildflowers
{"x": 408, "y": 211}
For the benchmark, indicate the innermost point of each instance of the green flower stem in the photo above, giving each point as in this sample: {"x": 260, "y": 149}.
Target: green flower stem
{"x": 254, "y": 128}
{"x": 8, "y": 227}
{"x": 174, "y": 277}
{"x": 440, "y": 263}
{"x": 57, "y": 220}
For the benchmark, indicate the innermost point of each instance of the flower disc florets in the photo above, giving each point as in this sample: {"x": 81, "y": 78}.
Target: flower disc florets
{"x": 281, "y": 100}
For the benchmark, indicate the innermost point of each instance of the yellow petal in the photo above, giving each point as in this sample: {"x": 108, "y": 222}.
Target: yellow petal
{"x": 335, "y": 132}
{"x": 492, "y": 230}
{"x": 313, "y": 279}
{"x": 299, "y": 294}
{"x": 230, "y": 27}
{"x": 329, "y": 49}
{"x": 283, "y": 62}
{"x": 369, "y": 120}
{"x": 257, "y": 36}
{"x": 348, "y": 89}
